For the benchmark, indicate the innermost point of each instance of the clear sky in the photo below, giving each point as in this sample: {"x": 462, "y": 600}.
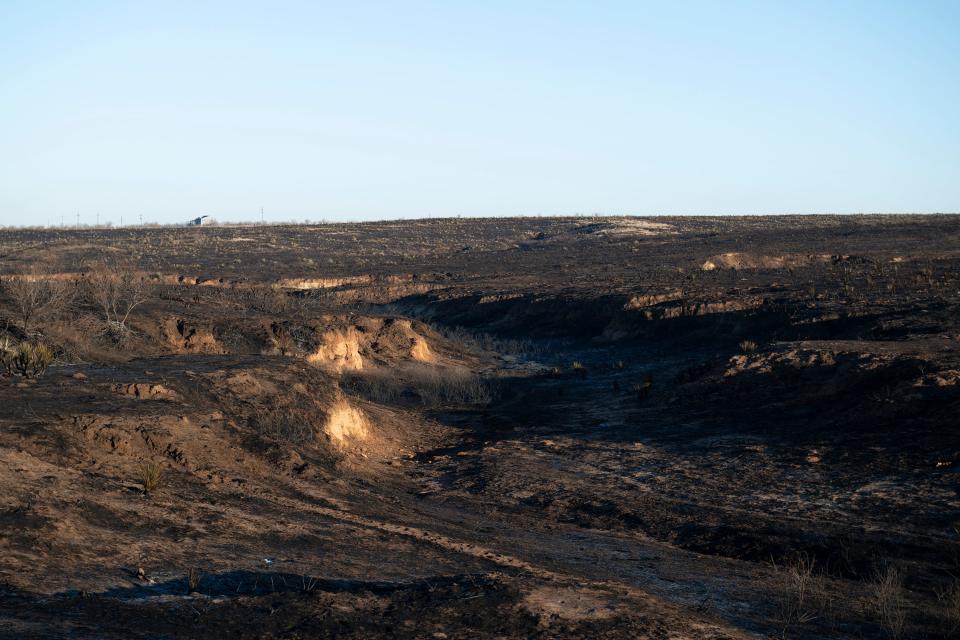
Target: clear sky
{"x": 357, "y": 110}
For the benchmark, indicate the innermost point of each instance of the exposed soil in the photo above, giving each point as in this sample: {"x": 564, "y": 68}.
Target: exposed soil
{"x": 500, "y": 428}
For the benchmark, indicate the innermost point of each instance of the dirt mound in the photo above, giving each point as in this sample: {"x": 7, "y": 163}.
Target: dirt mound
{"x": 408, "y": 338}
{"x": 145, "y": 391}
{"x": 648, "y": 300}
{"x": 624, "y": 226}
{"x": 551, "y": 602}
{"x": 246, "y": 384}
{"x": 346, "y": 425}
{"x": 606, "y": 228}
{"x": 341, "y": 346}
{"x": 381, "y": 293}
{"x": 947, "y": 378}
{"x": 185, "y": 336}
{"x": 738, "y": 260}
{"x": 294, "y": 406}
{"x": 338, "y": 350}
{"x": 307, "y": 284}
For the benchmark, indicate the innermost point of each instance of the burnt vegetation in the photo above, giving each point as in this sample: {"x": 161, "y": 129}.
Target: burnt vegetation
{"x": 540, "y": 427}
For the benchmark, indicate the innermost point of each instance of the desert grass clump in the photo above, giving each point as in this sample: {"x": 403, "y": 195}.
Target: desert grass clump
{"x": 579, "y": 369}
{"x": 950, "y": 600}
{"x": 801, "y": 595}
{"x": 453, "y": 385}
{"x": 193, "y": 579}
{"x": 33, "y": 358}
{"x": 151, "y": 476}
{"x": 484, "y": 342}
{"x": 433, "y": 386}
{"x": 889, "y": 601}
{"x": 748, "y": 346}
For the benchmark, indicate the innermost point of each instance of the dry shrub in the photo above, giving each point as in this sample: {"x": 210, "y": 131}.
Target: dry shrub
{"x": 286, "y": 418}
{"x": 37, "y": 298}
{"x": 270, "y": 300}
{"x": 151, "y": 475}
{"x": 283, "y": 342}
{"x": 889, "y": 601}
{"x": 484, "y": 342}
{"x": 79, "y": 339}
{"x": 116, "y": 293}
{"x": 193, "y": 579}
{"x": 748, "y": 346}
{"x": 433, "y": 385}
{"x": 802, "y": 595}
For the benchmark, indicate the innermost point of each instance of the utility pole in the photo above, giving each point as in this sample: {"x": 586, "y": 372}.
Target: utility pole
{"x": 78, "y": 219}
{"x": 261, "y": 215}
{"x": 141, "y": 219}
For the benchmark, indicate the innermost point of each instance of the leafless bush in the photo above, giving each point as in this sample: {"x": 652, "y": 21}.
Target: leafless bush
{"x": 116, "y": 293}
{"x": 283, "y": 341}
{"x": 889, "y": 602}
{"x": 37, "y": 298}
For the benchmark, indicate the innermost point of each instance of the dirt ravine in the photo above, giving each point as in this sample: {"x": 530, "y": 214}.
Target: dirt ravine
{"x": 490, "y": 428}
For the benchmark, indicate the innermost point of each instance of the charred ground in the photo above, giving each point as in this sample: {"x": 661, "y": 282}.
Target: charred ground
{"x": 570, "y": 427}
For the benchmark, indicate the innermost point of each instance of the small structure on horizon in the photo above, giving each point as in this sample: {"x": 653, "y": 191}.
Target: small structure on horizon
{"x": 196, "y": 222}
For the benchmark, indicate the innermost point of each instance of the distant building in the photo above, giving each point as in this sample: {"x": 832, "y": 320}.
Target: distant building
{"x": 196, "y": 222}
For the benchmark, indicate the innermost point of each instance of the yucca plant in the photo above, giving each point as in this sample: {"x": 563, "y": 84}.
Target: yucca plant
{"x": 151, "y": 474}
{"x": 28, "y": 359}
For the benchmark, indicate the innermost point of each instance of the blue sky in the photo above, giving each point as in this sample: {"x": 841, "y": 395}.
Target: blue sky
{"x": 359, "y": 110}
